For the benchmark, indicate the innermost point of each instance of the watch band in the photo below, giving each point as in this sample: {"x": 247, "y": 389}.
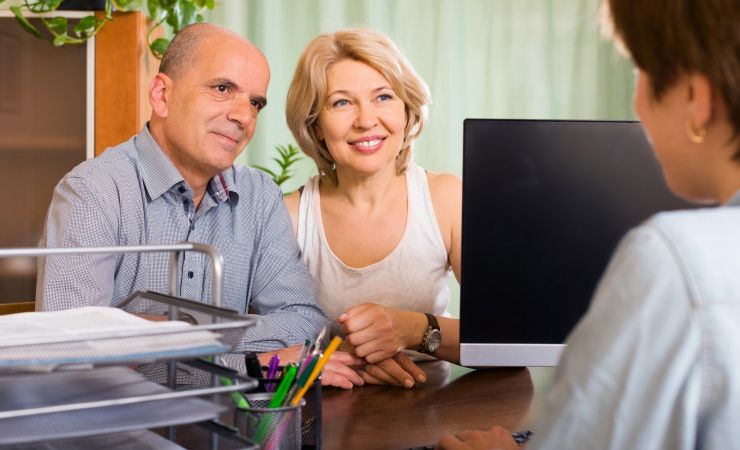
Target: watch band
{"x": 432, "y": 321}
{"x": 431, "y": 339}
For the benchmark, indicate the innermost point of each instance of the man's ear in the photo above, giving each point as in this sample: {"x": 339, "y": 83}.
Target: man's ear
{"x": 700, "y": 101}
{"x": 160, "y": 92}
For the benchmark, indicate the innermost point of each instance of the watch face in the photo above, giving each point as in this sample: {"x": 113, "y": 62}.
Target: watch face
{"x": 434, "y": 338}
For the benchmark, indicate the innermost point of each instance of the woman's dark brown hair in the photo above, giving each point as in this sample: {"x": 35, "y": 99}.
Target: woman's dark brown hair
{"x": 668, "y": 38}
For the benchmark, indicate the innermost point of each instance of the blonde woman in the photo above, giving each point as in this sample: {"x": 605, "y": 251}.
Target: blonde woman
{"x": 380, "y": 234}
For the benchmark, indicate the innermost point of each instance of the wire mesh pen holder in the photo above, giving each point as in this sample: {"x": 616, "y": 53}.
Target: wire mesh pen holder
{"x": 271, "y": 428}
{"x": 309, "y": 417}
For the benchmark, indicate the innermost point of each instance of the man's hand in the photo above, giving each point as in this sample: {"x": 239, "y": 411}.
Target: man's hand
{"x": 495, "y": 438}
{"x": 378, "y": 332}
{"x": 339, "y": 371}
{"x": 398, "y": 371}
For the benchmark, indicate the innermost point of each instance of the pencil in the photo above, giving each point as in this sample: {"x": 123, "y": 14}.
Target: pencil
{"x": 317, "y": 370}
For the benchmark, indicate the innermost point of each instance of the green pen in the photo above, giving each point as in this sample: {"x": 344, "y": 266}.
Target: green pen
{"x": 301, "y": 381}
{"x": 237, "y": 396}
{"x": 282, "y": 390}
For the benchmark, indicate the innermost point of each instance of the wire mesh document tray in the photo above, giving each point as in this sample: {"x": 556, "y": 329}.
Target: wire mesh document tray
{"x": 45, "y": 341}
{"x": 72, "y": 404}
{"x": 109, "y": 335}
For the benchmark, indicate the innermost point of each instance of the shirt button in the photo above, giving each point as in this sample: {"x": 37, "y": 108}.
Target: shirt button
{"x": 181, "y": 189}
{"x": 190, "y": 274}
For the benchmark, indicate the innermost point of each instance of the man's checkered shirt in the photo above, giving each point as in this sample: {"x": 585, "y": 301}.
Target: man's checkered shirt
{"x": 133, "y": 195}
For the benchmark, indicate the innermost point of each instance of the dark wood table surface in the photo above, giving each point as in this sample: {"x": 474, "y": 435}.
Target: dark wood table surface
{"x": 452, "y": 399}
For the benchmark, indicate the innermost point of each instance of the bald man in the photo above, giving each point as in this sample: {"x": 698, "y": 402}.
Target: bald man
{"x": 175, "y": 181}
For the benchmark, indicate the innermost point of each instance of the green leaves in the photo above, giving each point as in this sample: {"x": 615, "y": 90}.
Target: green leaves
{"x": 159, "y": 46}
{"x": 289, "y": 155}
{"x": 18, "y": 13}
{"x": 86, "y": 26}
{"x": 176, "y": 14}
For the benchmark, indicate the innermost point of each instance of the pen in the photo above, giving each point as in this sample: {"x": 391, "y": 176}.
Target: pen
{"x": 282, "y": 390}
{"x": 277, "y": 400}
{"x": 302, "y": 378}
{"x": 319, "y": 338}
{"x": 272, "y": 368}
{"x": 252, "y": 362}
{"x": 304, "y": 351}
{"x": 305, "y": 364}
{"x": 316, "y": 370}
{"x": 238, "y": 397}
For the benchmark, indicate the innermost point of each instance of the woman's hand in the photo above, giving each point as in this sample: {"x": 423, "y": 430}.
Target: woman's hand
{"x": 378, "y": 332}
{"x": 497, "y": 437}
{"x": 339, "y": 371}
{"x": 398, "y": 371}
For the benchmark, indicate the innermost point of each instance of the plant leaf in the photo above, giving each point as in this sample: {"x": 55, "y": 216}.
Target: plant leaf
{"x": 56, "y": 24}
{"x": 187, "y": 13}
{"x": 173, "y": 18}
{"x": 153, "y": 8}
{"x": 60, "y": 40}
{"x": 128, "y": 5}
{"x": 159, "y": 46}
{"x": 86, "y": 26}
{"x": 24, "y": 22}
{"x": 266, "y": 170}
{"x": 42, "y": 6}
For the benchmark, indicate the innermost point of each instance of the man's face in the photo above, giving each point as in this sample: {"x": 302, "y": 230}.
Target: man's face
{"x": 212, "y": 106}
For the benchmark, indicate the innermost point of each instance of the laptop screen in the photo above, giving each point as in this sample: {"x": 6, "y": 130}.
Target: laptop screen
{"x": 545, "y": 203}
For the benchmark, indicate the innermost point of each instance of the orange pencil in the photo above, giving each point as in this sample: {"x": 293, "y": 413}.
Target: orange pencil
{"x": 317, "y": 369}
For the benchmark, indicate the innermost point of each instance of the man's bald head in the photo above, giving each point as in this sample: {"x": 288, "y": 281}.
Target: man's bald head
{"x": 182, "y": 51}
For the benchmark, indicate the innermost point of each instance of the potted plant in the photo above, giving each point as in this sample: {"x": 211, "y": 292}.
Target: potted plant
{"x": 175, "y": 14}
{"x": 289, "y": 155}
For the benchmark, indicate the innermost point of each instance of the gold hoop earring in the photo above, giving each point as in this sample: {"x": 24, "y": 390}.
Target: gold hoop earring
{"x": 696, "y": 136}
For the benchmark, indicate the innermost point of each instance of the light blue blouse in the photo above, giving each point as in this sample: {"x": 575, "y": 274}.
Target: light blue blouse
{"x": 655, "y": 362}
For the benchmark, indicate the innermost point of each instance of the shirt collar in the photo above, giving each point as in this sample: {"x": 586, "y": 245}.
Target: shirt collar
{"x": 160, "y": 175}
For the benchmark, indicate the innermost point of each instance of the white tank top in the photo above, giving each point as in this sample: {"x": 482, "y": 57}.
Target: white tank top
{"x": 413, "y": 276}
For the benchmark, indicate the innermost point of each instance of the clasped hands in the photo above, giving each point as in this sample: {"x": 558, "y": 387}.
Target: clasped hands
{"x": 375, "y": 336}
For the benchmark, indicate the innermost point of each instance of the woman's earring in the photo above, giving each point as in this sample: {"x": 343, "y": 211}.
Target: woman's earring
{"x": 696, "y": 136}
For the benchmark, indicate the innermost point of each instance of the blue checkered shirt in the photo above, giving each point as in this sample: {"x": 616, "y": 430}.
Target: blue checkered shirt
{"x": 133, "y": 195}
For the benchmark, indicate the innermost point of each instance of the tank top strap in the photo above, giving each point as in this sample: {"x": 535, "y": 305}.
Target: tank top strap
{"x": 421, "y": 208}
{"x": 307, "y": 220}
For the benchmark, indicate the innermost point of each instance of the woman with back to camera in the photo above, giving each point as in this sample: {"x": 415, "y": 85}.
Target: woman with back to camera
{"x": 378, "y": 232}
{"x": 654, "y": 363}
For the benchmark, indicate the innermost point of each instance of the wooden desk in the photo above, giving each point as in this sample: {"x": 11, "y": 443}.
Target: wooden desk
{"x": 452, "y": 399}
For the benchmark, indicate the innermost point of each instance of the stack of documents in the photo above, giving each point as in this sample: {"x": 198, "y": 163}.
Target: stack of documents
{"x": 71, "y": 404}
{"x": 97, "y": 335}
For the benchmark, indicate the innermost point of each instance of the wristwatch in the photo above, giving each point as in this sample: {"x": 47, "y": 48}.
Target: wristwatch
{"x": 433, "y": 336}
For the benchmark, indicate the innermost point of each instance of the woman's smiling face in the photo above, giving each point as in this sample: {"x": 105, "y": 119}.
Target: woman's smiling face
{"x": 363, "y": 121}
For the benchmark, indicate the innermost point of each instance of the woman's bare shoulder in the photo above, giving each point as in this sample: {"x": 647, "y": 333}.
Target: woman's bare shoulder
{"x": 445, "y": 188}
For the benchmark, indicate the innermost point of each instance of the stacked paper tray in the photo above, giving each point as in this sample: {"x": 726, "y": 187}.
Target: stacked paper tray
{"x": 99, "y": 335}
{"x": 130, "y": 440}
{"x": 64, "y": 405}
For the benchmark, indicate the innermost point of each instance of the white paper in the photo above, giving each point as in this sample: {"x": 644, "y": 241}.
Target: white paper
{"x": 97, "y": 334}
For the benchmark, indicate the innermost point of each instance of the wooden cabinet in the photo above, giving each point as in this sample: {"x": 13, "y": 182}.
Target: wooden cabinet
{"x": 124, "y": 67}
{"x": 59, "y": 106}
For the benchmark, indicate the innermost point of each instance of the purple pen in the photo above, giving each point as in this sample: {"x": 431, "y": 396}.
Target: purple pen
{"x": 272, "y": 368}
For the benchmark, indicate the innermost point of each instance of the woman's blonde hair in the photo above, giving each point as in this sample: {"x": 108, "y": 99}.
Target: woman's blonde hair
{"x": 308, "y": 92}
